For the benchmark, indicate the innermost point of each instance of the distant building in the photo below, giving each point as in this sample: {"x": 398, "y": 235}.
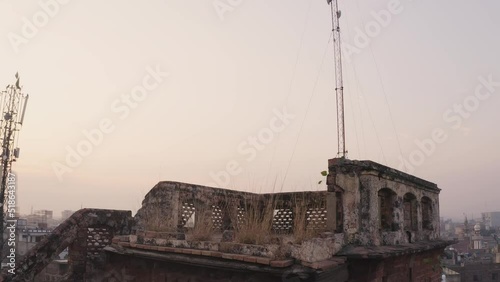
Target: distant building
{"x": 28, "y": 238}
{"x": 448, "y": 225}
{"x": 47, "y": 214}
{"x": 42, "y": 219}
{"x": 65, "y": 214}
{"x": 22, "y": 223}
{"x": 477, "y": 239}
{"x": 491, "y": 220}
{"x": 473, "y": 258}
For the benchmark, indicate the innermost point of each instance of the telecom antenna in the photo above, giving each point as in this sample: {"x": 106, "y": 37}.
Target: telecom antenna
{"x": 13, "y": 107}
{"x": 339, "y": 83}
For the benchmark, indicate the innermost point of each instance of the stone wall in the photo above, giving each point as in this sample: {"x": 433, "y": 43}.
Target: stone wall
{"x": 382, "y": 206}
{"x": 170, "y": 205}
{"x": 73, "y": 233}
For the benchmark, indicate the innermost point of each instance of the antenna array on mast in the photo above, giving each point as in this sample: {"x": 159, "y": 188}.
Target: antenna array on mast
{"x": 339, "y": 83}
{"x": 12, "y": 109}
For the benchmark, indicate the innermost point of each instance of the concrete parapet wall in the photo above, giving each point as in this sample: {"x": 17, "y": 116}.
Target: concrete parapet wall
{"x": 172, "y": 204}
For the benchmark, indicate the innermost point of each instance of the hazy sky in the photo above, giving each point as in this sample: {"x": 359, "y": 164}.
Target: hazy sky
{"x": 249, "y": 94}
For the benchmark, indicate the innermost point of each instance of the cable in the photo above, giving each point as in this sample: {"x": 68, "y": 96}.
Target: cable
{"x": 298, "y": 52}
{"x": 359, "y": 89}
{"x": 349, "y": 100}
{"x": 382, "y": 86}
{"x": 291, "y": 81}
{"x": 388, "y": 107}
{"x": 307, "y": 111}
{"x": 383, "y": 90}
{"x": 370, "y": 116}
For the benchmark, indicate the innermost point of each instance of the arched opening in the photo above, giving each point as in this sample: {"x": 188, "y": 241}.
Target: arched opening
{"x": 427, "y": 215}
{"x": 386, "y": 198}
{"x": 410, "y": 212}
{"x": 408, "y": 236}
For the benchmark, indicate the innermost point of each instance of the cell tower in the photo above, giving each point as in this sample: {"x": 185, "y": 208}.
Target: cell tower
{"x": 13, "y": 107}
{"x": 339, "y": 82}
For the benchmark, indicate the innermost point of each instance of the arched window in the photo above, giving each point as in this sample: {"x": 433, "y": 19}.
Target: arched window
{"x": 410, "y": 212}
{"x": 386, "y": 199}
{"x": 427, "y": 215}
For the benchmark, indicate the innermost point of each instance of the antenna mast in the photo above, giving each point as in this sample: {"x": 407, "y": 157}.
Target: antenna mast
{"x": 12, "y": 109}
{"x": 339, "y": 83}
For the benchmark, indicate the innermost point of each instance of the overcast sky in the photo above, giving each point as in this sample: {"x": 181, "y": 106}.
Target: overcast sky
{"x": 124, "y": 94}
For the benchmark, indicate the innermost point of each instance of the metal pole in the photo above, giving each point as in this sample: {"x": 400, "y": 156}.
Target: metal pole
{"x": 339, "y": 82}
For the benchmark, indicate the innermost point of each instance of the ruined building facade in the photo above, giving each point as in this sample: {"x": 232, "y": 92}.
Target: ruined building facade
{"x": 373, "y": 223}
{"x": 389, "y": 219}
{"x": 382, "y": 206}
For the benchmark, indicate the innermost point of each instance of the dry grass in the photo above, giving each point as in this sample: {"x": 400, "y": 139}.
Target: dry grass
{"x": 203, "y": 226}
{"x": 300, "y": 230}
{"x": 303, "y": 229}
{"x": 256, "y": 224}
{"x": 257, "y": 227}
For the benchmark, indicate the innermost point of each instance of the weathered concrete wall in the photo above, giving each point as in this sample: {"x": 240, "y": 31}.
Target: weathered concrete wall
{"x": 169, "y": 205}
{"x": 373, "y": 193}
{"x": 173, "y": 202}
{"x": 72, "y": 233}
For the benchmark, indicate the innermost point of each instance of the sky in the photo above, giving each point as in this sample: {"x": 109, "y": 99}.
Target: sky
{"x": 240, "y": 94}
